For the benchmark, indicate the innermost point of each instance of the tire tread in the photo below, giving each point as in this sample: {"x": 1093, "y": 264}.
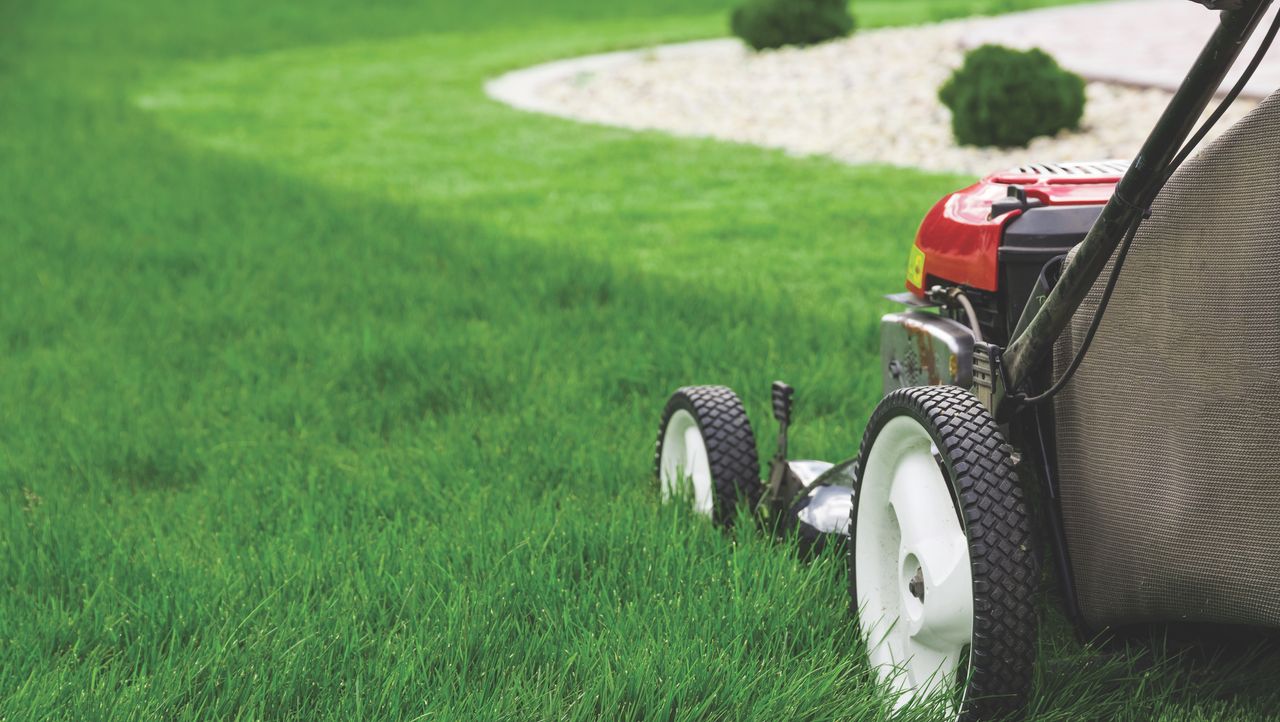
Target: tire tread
{"x": 731, "y": 446}
{"x": 998, "y": 525}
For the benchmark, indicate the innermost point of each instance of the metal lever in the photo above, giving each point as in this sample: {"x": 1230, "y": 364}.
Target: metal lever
{"x": 782, "y": 395}
{"x": 779, "y": 491}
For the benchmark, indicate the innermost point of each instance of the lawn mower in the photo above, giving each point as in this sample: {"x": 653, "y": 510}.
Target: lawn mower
{"x": 1085, "y": 371}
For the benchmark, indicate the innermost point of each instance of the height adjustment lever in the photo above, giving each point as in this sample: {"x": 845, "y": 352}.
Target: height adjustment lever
{"x": 782, "y": 483}
{"x": 782, "y": 394}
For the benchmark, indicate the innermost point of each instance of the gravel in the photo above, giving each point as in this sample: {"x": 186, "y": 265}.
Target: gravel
{"x": 870, "y": 98}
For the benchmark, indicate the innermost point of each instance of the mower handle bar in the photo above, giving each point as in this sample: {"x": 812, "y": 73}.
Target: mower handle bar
{"x": 1043, "y": 323}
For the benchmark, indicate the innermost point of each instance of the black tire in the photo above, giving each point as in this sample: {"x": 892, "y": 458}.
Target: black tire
{"x": 730, "y": 444}
{"x": 976, "y": 462}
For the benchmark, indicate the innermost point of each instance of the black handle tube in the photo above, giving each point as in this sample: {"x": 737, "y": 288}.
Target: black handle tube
{"x": 1133, "y": 194}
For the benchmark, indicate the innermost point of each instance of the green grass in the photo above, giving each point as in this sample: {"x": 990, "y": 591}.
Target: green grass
{"x": 328, "y": 387}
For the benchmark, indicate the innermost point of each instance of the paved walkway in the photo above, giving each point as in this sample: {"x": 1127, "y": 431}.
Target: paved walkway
{"x": 1149, "y": 43}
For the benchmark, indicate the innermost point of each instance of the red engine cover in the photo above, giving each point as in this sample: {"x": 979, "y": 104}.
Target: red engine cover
{"x": 959, "y": 241}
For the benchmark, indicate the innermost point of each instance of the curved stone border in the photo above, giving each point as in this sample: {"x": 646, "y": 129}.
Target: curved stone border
{"x": 523, "y": 89}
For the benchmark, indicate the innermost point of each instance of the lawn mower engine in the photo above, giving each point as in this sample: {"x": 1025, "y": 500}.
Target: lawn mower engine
{"x": 978, "y": 256}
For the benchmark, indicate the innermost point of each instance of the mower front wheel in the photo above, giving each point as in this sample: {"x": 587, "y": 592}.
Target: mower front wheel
{"x": 706, "y": 453}
{"x": 942, "y": 573}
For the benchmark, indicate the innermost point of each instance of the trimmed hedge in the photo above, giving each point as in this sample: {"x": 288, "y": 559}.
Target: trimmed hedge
{"x": 1005, "y": 97}
{"x": 774, "y": 23}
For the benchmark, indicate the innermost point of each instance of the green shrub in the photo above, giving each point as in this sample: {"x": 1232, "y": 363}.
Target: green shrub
{"x": 775, "y": 23}
{"x": 1005, "y": 97}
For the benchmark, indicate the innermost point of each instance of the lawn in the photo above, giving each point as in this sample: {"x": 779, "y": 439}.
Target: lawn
{"x": 328, "y": 387}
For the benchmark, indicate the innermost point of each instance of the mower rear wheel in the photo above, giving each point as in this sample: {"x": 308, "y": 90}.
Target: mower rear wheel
{"x": 942, "y": 573}
{"x": 706, "y": 453}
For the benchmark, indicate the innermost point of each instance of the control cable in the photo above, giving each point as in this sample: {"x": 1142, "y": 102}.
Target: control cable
{"x": 1132, "y": 231}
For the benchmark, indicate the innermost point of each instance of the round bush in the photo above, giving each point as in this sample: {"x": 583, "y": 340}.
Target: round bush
{"x": 1004, "y": 97}
{"x": 775, "y": 23}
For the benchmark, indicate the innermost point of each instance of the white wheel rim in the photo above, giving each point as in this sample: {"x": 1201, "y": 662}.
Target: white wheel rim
{"x": 911, "y": 564}
{"x": 685, "y": 464}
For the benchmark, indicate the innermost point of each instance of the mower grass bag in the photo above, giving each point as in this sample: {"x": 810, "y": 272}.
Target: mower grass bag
{"x": 1168, "y": 438}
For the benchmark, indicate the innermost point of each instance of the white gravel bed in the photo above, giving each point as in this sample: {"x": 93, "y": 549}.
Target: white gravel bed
{"x": 1149, "y": 43}
{"x": 870, "y": 98}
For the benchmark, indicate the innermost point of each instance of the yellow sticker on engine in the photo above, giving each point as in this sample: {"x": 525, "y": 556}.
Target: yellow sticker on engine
{"x": 915, "y": 268}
